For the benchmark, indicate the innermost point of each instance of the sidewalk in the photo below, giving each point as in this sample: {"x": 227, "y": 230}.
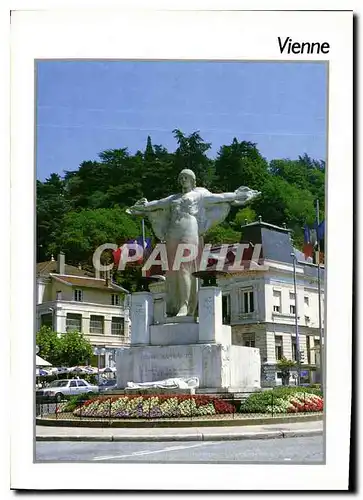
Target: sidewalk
{"x": 270, "y": 431}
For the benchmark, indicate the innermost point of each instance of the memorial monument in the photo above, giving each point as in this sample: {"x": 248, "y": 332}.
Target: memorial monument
{"x": 168, "y": 341}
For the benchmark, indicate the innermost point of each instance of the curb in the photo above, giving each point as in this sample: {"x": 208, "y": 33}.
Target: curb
{"x": 263, "y": 420}
{"x": 188, "y": 437}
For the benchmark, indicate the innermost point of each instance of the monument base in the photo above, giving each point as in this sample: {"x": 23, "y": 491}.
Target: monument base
{"x": 219, "y": 367}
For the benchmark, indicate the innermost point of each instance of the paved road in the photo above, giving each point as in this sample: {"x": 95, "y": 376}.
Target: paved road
{"x": 288, "y": 450}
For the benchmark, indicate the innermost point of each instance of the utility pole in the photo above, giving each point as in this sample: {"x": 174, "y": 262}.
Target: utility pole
{"x": 296, "y": 322}
{"x": 319, "y": 301}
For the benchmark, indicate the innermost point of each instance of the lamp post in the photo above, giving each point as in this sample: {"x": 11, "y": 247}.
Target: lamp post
{"x": 319, "y": 299}
{"x": 296, "y": 322}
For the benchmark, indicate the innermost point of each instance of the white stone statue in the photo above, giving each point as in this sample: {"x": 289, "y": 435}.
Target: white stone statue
{"x": 169, "y": 383}
{"x": 184, "y": 218}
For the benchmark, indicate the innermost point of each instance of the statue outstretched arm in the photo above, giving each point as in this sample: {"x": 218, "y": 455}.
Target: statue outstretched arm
{"x": 238, "y": 197}
{"x": 143, "y": 206}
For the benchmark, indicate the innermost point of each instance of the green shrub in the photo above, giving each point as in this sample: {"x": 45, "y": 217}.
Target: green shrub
{"x": 261, "y": 402}
{"x": 76, "y": 401}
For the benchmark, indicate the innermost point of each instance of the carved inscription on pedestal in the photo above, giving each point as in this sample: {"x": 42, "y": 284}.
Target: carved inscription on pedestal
{"x": 170, "y": 364}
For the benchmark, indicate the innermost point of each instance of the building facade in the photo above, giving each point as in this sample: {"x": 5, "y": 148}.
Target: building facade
{"x": 68, "y": 299}
{"x": 260, "y": 305}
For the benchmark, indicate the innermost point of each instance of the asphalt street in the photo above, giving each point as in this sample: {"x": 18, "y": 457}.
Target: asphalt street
{"x": 288, "y": 450}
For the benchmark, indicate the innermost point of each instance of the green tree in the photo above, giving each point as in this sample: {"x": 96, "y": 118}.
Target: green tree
{"x": 67, "y": 349}
{"x": 49, "y": 345}
{"x": 240, "y": 164}
{"x": 52, "y": 205}
{"x": 222, "y": 234}
{"x": 281, "y": 202}
{"x": 191, "y": 153}
{"x": 75, "y": 349}
{"x": 285, "y": 366}
{"x": 246, "y": 214}
{"x": 81, "y": 232}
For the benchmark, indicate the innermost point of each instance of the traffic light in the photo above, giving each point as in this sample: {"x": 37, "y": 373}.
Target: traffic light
{"x": 302, "y": 356}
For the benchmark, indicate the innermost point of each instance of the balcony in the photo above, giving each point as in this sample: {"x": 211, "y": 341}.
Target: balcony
{"x": 250, "y": 317}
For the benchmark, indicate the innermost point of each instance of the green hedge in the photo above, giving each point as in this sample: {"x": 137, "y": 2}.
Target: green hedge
{"x": 260, "y": 401}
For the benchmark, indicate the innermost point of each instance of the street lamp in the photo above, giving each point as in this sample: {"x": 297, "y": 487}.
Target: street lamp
{"x": 296, "y": 322}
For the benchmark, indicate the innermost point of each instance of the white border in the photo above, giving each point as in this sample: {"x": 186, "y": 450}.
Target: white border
{"x": 183, "y": 35}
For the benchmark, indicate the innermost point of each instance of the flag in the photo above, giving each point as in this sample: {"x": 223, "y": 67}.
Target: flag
{"x": 138, "y": 241}
{"x": 321, "y": 231}
{"x": 308, "y": 247}
{"x": 307, "y": 238}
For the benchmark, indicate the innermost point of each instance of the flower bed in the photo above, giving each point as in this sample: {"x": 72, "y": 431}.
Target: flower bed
{"x": 152, "y": 407}
{"x": 286, "y": 400}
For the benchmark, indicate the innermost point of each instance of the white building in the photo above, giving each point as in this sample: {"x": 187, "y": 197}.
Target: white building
{"x": 68, "y": 299}
{"x": 260, "y": 304}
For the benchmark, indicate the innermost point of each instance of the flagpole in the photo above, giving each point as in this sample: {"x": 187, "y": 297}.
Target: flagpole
{"x": 319, "y": 301}
{"x": 143, "y": 234}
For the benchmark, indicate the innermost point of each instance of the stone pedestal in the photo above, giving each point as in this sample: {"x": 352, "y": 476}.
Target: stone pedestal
{"x": 211, "y": 328}
{"x": 141, "y": 317}
{"x": 180, "y": 347}
{"x": 219, "y": 367}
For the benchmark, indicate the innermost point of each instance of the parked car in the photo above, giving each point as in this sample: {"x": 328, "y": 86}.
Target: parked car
{"x": 108, "y": 385}
{"x": 68, "y": 387}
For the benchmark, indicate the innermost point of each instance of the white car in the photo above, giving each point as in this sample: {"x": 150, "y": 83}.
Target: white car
{"x": 67, "y": 387}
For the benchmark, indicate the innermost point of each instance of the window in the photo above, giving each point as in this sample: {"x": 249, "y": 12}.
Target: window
{"x": 73, "y": 383}
{"x": 292, "y": 303}
{"x": 117, "y": 326}
{"x": 78, "y": 295}
{"x": 294, "y": 350}
{"x": 248, "y": 301}
{"x": 59, "y": 295}
{"x": 226, "y": 309}
{"x": 276, "y": 301}
{"x": 306, "y": 300}
{"x": 96, "y": 324}
{"x": 46, "y": 320}
{"x": 317, "y": 351}
{"x": 74, "y": 322}
{"x": 115, "y": 299}
{"x": 80, "y": 383}
{"x": 278, "y": 347}
{"x": 249, "y": 340}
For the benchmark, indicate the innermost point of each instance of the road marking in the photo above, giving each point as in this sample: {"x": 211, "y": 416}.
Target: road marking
{"x": 287, "y": 458}
{"x": 151, "y": 452}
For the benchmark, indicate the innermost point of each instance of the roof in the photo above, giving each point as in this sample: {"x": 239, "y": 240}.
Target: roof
{"x": 275, "y": 241}
{"x": 85, "y": 282}
{"x": 50, "y": 266}
{"x": 268, "y": 225}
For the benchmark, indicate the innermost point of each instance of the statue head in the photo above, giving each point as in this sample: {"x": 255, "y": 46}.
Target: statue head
{"x": 187, "y": 176}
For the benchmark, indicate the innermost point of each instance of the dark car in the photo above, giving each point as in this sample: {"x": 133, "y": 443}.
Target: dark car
{"x": 108, "y": 385}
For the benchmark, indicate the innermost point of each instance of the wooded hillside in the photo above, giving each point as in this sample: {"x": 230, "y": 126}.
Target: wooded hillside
{"x": 86, "y": 207}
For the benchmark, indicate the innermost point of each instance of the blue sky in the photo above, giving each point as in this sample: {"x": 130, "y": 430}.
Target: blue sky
{"x": 85, "y": 107}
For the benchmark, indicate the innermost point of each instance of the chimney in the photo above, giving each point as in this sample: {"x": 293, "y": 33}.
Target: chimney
{"x": 108, "y": 278}
{"x": 61, "y": 267}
